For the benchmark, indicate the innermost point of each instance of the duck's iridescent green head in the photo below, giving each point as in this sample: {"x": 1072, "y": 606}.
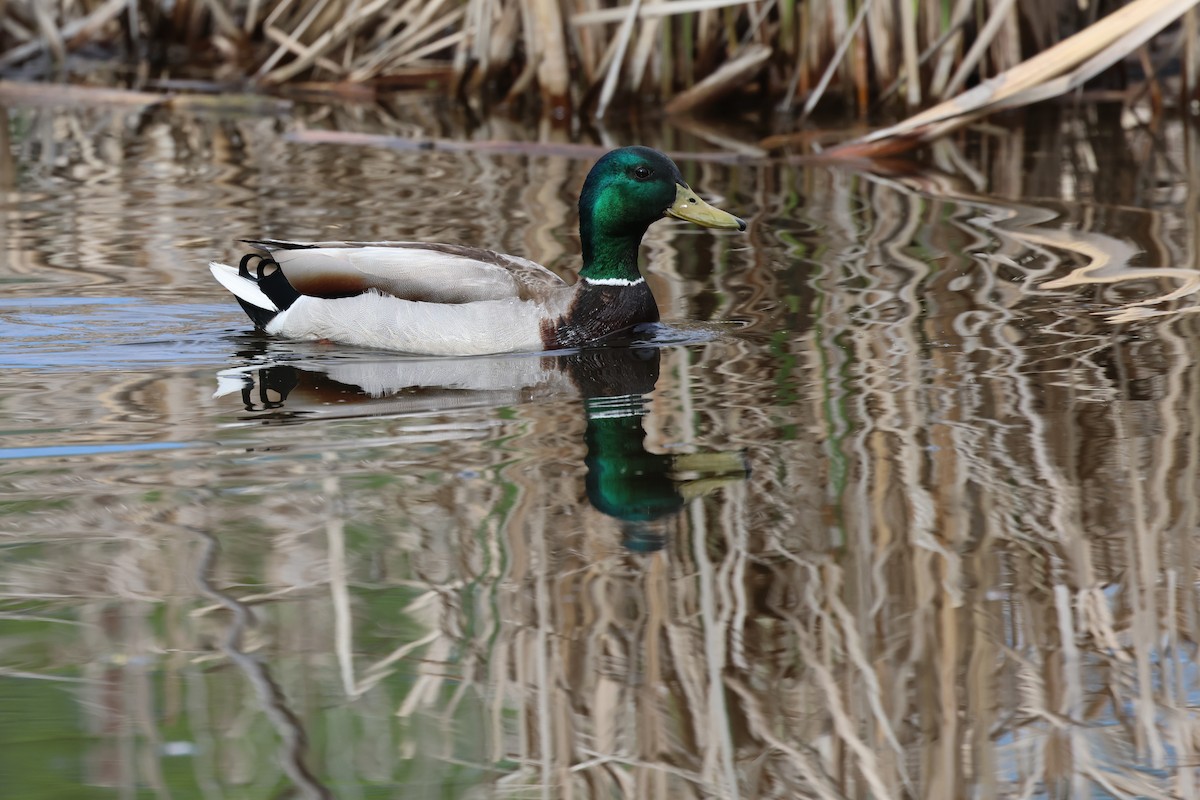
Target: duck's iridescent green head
{"x": 626, "y": 191}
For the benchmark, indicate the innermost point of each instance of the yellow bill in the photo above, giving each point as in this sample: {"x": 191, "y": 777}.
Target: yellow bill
{"x": 690, "y": 207}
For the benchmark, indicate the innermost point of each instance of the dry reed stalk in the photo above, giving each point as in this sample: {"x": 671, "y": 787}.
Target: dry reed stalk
{"x": 908, "y": 49}
{"x": 288, "y": 41}
{"x": 1191, "y": 58}
{"x": 880, "y": 23}
{"x": 304, "y": 55}
{"x": 618, "y": 59}
{"x": 648, "y": 38}
{"x": 1000, "y": 14}
{"x": 649, "y": 14}
{"x": 330, "y": 36}
{"x": 388, "y": 46}
{"x": 75, "y": 32}
{"x": 355, "y": 17}
{"x": 404, "y": 51}
{"x": 223, "y": 19}
{"x": 729, "y": 77}
{"x": 39, "y": 94}
{"x": 550, "y": 53}
{"x": 838, "y": 54}
{"x": 672, "y": 8}
{"x": 503, "y": 46}
{"x": 49, "y": 30}
{"x": 1006, "y": 52}
{"x": 946, "y": 47}
{"x": 1048, "y": 74}
{"x": 813, "y": 46}
{"x": 836, "y": 36}
{"x": 477, "y": 29}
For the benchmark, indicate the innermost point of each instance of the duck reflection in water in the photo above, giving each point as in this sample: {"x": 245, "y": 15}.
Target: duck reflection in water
{"x": 625, "y": 481}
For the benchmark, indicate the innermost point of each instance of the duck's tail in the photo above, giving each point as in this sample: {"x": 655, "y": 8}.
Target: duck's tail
{"x": 263, "y": 295}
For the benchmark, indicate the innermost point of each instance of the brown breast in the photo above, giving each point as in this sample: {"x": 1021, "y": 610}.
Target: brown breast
{"x": 599, "y": 311}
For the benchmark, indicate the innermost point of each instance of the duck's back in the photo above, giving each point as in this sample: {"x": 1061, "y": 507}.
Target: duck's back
{"x": 419, "y": 271}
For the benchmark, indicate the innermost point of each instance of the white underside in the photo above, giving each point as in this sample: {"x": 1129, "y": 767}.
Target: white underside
{"x": 388, "y": 323}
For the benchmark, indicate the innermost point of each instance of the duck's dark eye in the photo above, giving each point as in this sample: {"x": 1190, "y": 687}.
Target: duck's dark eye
{"x": 642, "y": 173}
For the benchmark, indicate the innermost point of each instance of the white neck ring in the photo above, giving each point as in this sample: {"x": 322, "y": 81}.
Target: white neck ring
{"x": 613, "y": 281}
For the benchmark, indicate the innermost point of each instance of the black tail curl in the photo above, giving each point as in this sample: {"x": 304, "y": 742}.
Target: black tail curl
{"x": 271, "y": 280}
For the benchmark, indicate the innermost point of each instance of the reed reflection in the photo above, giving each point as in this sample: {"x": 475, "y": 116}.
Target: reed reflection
{"x": 966, "y": 565}
{"x": 293, "y": 753}
{"x": 640, "y": 489}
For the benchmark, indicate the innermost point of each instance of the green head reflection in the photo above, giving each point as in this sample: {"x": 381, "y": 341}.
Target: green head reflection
{"x": 641, "y": 489}
{"x": 624, "y": 479}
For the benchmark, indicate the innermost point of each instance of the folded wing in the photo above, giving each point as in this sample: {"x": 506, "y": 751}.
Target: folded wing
{"x": 431, "y": 273}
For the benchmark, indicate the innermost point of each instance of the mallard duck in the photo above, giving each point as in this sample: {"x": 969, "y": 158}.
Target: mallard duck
{"x": 441, "y": 299}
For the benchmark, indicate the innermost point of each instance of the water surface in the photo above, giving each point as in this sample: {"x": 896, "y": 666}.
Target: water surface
{"x": 899, "y": 501}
